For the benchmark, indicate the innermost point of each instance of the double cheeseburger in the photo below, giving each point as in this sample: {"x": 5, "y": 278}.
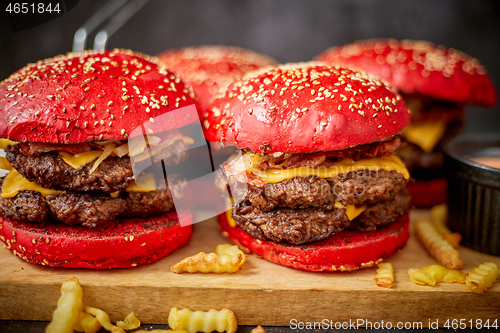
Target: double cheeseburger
{"x": 318, "y": 185}
{"x": 436, "y": 83}
{"x": 69, "y": 128}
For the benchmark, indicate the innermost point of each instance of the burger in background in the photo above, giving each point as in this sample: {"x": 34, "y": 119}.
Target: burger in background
{"x": 70, "y": 127}
{"x": 436, "y": 83}
{"x": 318, "y": 185}
{"x": 210, "y": 69}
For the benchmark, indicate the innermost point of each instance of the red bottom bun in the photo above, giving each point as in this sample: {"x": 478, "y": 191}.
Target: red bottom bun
{"x": 345, "y": 251}
{"x": 118, "y": 244}
{"x": 429, "y": 193}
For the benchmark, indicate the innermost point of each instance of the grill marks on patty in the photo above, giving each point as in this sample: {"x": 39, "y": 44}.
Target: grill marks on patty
{"x": 50, "y": 171}
{"x": 87, "y": 209}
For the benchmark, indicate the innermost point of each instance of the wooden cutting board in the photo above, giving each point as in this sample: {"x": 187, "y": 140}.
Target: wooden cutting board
{"x": 262, "y": 293}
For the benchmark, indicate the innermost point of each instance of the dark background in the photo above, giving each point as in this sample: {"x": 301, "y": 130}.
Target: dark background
{"x": 288, "y": 30}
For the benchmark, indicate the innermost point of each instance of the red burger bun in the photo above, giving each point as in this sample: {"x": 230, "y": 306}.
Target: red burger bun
{"x": 419, "y": 67}
{"x": 88, "y": 96}
{"x": 427, "y": 193}
{"x": 345, "y": 251}
{"x": 280, "y": 120}
{"x": 118, "y": 244}
{"x": 209, "y": 69}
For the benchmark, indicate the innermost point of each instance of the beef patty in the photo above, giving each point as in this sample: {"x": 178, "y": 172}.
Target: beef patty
{"x": 87, "y": 209}
{"x": 50, "y": 171}
{"x": 303, "y": 225}
{"x": 302, "y": 192}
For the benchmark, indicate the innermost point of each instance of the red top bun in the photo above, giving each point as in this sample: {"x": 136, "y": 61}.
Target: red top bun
{"x": 210, "y": 69}
{"x": 305, "y": 107}
{"x": 419, "y": 67}
{"x": 88, "y": 96}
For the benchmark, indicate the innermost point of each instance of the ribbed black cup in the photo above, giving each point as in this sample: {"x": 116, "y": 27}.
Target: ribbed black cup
{"x": 474, "y": 191}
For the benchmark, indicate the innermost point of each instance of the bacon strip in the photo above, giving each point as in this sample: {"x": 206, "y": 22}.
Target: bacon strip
{"x": 33, "y": 148}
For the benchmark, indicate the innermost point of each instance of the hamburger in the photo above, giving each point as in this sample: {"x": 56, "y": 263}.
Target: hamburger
{"x": 210, "y": 69}
{"x": 318, "y": 185}
{"x": 435, "y": 83}
{"x": 70, "y": 126}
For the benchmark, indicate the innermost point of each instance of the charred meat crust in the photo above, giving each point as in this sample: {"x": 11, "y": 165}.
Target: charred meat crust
{"x": 290, "y": 225}
{"x": 303, "y": 192}
{"x": 299, "y": 226}
{"x": 50, "y": 171}
{"x": 87, "y": 209}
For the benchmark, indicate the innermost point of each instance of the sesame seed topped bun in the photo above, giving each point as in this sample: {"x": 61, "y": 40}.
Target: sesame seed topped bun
{"x": 316, "y": 185}
{"x": 209, "y": 69}
{"x": 88, "y": 96}
{"x": 72, "y": 128}
{"x": 305, "y": 107}
{"x": 419, "y": 67}
{"x": 436, "y": 83}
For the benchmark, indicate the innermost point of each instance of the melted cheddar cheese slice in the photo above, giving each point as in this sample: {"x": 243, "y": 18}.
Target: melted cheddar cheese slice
{"x": 144, "y": 183}
{"x": 14, "y": 182}
{"x": 425, "y": 135}
{"x": 78, "y": 160}
{"x": 332, "y": 169}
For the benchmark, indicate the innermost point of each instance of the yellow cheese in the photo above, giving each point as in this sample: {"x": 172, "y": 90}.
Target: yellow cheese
{"x": 425, "y": 135}
{"x": 4, "y": 164}
{"x": 352, "y": 211}
{"x": 79, "y": 160}
{"x": 6, "y": 142}
{"x": 145, "y": 183}
{"x": 229, "y": 212}
{"x": 327, "y": 170}
{"x": 14, "y": 182}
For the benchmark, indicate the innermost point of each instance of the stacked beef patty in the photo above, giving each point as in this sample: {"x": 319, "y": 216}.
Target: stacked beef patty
{"x": 305, "y": 209}
{"x": 85, "y": 198}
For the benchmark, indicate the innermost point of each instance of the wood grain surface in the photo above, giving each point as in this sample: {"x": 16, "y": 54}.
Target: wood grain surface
{"x": 262, "y": 293}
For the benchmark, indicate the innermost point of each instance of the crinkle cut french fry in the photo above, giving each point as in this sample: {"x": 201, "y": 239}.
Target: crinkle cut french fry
{"x": 104, "y": 320}
{"x": 258, "y": 329}
{"x": 87, "y": 323}
{"x": 161, "y": 331}
{"x": 435, "y": 274}
{"x": 436, "y": 245}
{"x": 226, "y": 259}
{"x": 385, "y": 275}
{"x": 438, "y": 220}
{"x": 131, "y": 322}
{"x": 482, "y": 277}
{"x": 69, "y": 307}
{"x": 199, "y": 321}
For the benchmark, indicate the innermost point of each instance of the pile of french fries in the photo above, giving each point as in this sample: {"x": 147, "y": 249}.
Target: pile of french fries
{"x": 71, "y": 314}
{"x": 442, "y": 244}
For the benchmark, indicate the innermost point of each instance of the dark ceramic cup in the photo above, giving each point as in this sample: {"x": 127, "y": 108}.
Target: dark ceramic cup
{"x": 474, "y": 191}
